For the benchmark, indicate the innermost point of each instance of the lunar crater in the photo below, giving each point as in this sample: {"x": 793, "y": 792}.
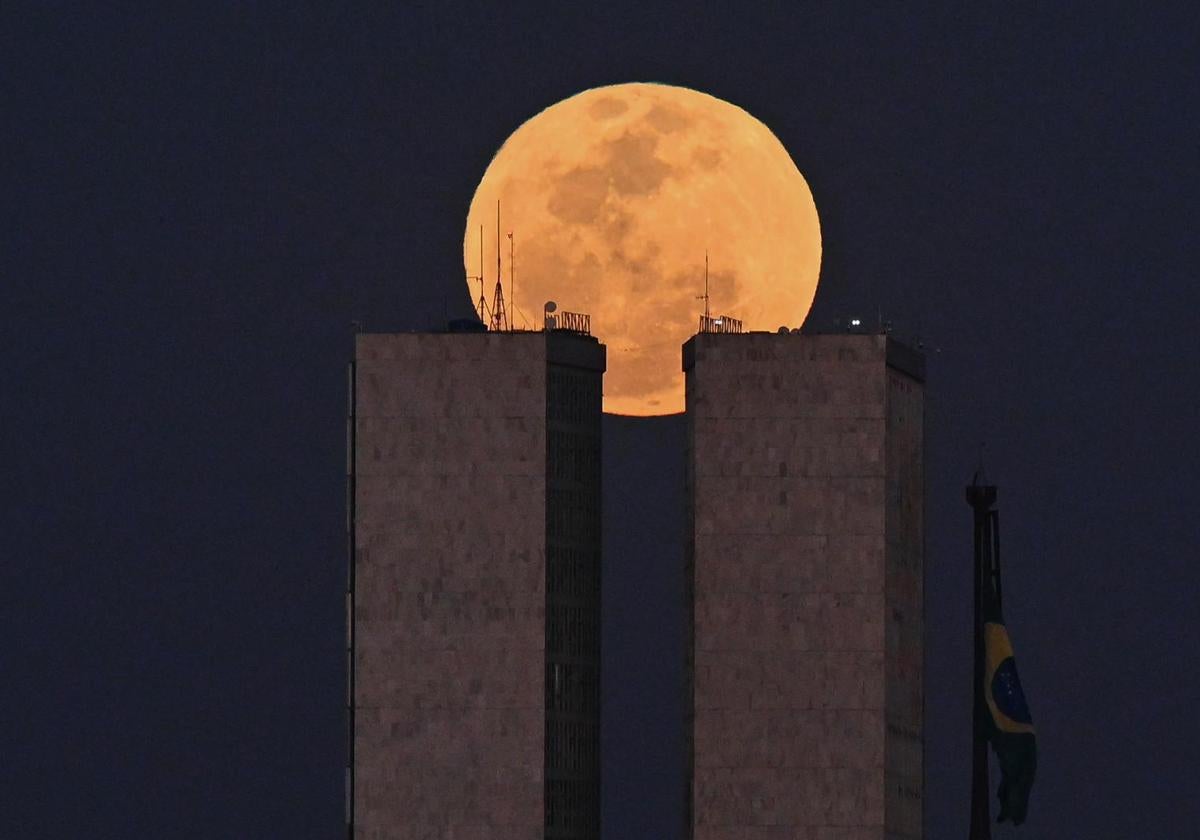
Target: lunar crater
{"x": 707, "y": 157}
{"x": 665, "y": 119}
{"x": 580, "y": 195}
{"x": 607, "y": 108}
{"x": 636, "y": 169}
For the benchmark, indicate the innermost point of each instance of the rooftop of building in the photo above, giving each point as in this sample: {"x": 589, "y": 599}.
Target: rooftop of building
{"x": 898, "y": 354}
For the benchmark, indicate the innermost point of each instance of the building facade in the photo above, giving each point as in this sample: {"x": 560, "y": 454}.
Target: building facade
{"x": 473, "y": 598}
{"x": 804, "y": 553}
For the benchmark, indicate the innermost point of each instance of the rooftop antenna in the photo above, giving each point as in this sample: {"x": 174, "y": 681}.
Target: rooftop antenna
{"x": 705, "y": 296}
{"x": 479, "y": 277}
{"x": 512, "y": 273}
{"x": 499, "y": 320}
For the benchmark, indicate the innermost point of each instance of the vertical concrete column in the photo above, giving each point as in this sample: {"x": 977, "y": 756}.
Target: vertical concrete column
{"x": 804, "y": 486}
{"x": 449, "y": 606}
{"x": 476, "y": 507}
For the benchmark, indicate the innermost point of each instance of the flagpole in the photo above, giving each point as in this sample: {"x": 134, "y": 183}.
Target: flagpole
{"x": 981, "y": 498}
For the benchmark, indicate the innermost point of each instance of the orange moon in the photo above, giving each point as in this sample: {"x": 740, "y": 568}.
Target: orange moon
{"x": 613, "y": 196}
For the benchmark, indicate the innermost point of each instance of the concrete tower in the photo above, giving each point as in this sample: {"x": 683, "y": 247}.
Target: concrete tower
{"x": 474, "y": 590}
{"x": 804, "y": 561}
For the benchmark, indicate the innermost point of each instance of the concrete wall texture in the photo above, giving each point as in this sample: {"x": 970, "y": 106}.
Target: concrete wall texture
{"x": 804, "y": 572}
{"x": 475, "y": 613}
{"x": 449, "y": 613}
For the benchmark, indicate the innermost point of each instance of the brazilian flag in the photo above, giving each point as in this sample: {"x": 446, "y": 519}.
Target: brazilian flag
{"x": 1010, "y": 726}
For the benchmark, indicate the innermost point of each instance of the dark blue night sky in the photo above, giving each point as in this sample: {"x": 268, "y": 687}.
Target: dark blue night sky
{"x": 197, "y": 203}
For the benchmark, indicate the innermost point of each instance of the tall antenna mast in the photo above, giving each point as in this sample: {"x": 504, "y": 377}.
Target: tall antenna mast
{"x": 499, "y": 319}
{"x": 704, "y": 297}
{"x": 512, "y": 274}
{"x": 482, "y": 299}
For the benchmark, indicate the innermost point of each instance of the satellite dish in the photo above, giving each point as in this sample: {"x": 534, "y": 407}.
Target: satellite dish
{"x": 550, "y": 306}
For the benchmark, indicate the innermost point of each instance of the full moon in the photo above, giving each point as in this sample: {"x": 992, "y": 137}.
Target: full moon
{"x": 612, "y": 198}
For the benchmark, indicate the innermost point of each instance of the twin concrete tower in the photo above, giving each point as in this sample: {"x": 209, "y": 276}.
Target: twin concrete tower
{"x": 474, "y": 589}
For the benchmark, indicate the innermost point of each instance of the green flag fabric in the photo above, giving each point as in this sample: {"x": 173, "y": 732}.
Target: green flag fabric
{"x": 1010, "y": 724}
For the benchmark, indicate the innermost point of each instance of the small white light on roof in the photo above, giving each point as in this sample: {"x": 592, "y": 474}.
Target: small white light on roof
{"x": 854, "y": 322}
